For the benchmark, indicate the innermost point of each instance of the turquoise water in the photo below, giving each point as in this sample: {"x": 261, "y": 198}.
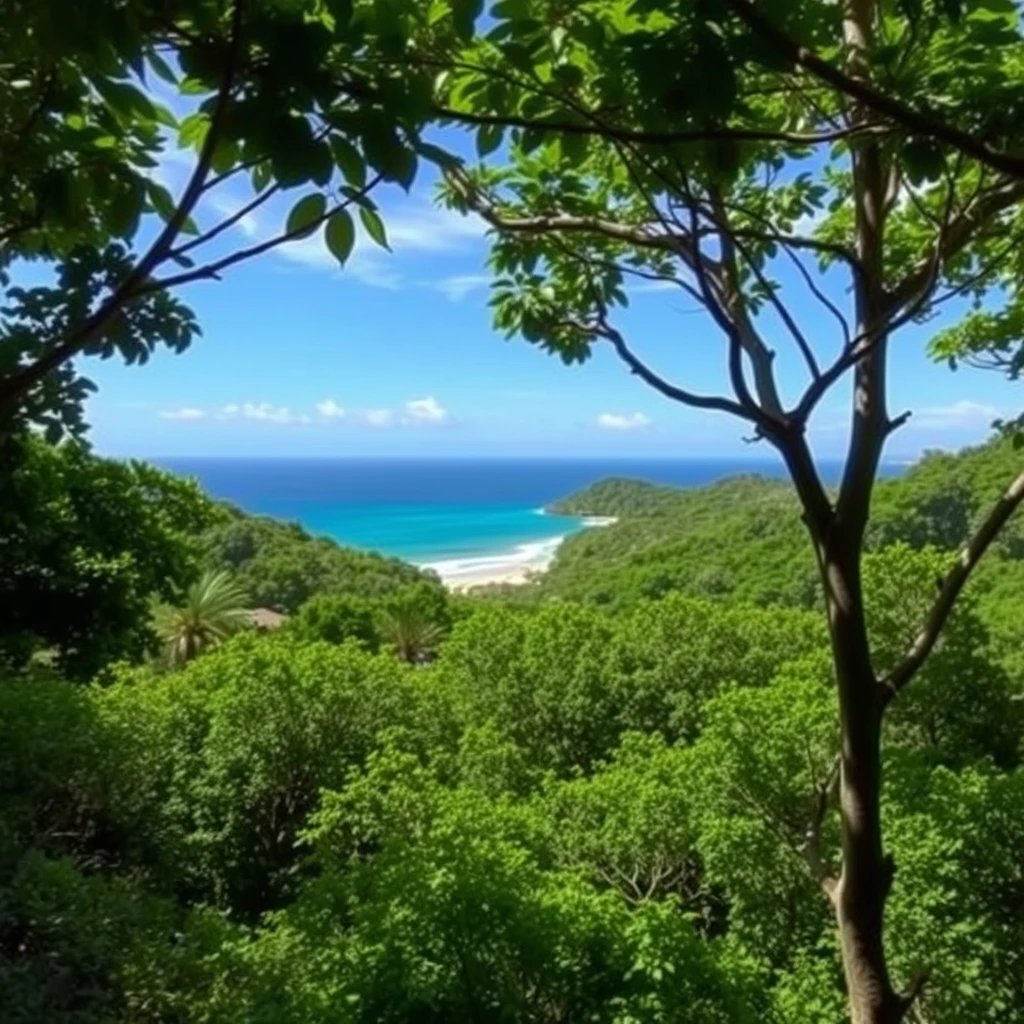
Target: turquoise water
{"x": 438, "y": 532}
{"x": 464, "y": 514}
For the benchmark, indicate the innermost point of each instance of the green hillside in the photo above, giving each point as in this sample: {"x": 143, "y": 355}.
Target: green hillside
{"x": 280, "y": 566}
{"x": 740, "y": 537}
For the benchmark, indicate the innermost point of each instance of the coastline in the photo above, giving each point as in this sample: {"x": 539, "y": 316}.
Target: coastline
{"x": 516, "y": 567}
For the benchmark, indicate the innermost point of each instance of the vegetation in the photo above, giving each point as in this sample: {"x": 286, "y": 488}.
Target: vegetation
{"x": 213, "y": 608}
{"x": 741, "y": 537}
{"x": 669, "y": 789}
{"x": 269, "y": 97}
{"x": 280, "y": 566}
{"x": 565, "y": 813}
{"x": 704, "y": 149}
{"x": 85, "y": 545}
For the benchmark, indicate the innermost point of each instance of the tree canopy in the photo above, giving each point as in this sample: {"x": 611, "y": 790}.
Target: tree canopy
{"x": 628, "y": 143}
{"x": 311, "y": 98}
{"x": 673, "y": 790}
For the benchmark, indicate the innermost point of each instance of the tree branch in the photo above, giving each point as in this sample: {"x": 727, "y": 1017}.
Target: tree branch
{"x": 27, "y": 377}
{"x": 549, "y": 223}
{"x": 960, "y": 232}
{"x": 227, "y": 223}
{"x": 907, "y": 117}
{"x": 761, "y": 357}
{"x": 601, "y": 128}
{"x": 958, "y": 575}
{"x": 718, "y": 403}
{"x": 824, "y": 791}
{"x": 211, "y": 271}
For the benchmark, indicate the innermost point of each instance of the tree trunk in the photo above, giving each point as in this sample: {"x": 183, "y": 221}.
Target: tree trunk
{"x": 863, "y": 886}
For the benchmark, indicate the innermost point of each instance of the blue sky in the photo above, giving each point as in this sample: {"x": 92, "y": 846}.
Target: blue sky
{"x": 394, "y": 355}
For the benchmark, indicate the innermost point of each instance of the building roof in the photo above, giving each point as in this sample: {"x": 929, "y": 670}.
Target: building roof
{"x": 266, "y": 618}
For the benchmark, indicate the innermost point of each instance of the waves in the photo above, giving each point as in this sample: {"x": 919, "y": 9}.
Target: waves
{"x": 502, "y": 567}
{"x": 513, "y": 566}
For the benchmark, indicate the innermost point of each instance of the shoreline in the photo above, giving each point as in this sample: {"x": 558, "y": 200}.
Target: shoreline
{"x": 515, "y": 567}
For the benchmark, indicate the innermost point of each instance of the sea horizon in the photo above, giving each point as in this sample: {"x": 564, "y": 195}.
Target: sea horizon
{"x": 461, "y": 516}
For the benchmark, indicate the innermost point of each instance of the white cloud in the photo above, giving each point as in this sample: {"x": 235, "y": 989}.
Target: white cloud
{"x": 619, "y": 421}
{"x": 262, "y": 412}
{"x": 378, "y": 417}
{"x": 963, "y": 413}
{"x": 425, "y": 227}
{"x": 459, "y": 286}
{"x": 417, "y": 226}
{"x": 187, "y": 413}
{"x": 426, "y": 410}
{"x": 329, "y": 409}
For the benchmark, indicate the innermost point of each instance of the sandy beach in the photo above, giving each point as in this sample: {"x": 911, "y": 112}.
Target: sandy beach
{"x": 516, "y": 567}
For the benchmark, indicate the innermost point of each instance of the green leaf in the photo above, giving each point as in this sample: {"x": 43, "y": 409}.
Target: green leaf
{"x": 923, "y": 160}
{"x": 193, "y": 131}
{"x": 488, "y": 139}
{"x": 386, "y": 151}
{"x": 225, "y": 155}
{"x": 514, "y": 10}
{"x": 194, "y": 87}
{"x": 464, "y": 15}
{"x": 161, "y": 200}
{"x": 261, "y": 175}
{"x": 306, "y": 215}
{"x": 161, "y": 67}
{"x": 126, "y": 208}
{"x": 164, "y": 116}
{"x": 530, "y": 139}
{"x": 340, "y": 235}
{"x": 574, "y": 148}
{"x": 349, "y": 160}
{"x": 358, "y": 196}
{"x": 374, "y": 227}
{"x": 439, "y": 10}
{"x": 127, "y": 102}
{"x": 437, "y": 155}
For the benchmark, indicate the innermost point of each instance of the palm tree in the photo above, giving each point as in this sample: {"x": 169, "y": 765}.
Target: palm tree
{"x": 411, "y": 632}
{"x": 213, "y": 609}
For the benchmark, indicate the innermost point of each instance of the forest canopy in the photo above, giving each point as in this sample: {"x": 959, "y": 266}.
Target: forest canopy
{"x": 751, "y": 753}
{"x": 573, "y": 810}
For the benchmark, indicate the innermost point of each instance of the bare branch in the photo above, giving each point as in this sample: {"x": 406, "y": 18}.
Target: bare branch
{"x": 777, "y": 304}
{"x": 824, "y": 791}
{"x": 760, "y": 355}
{"x": 640, "y": 369}
{"x": 912, "y": 993}
{"x": 958, "y": 575}
{"x": 226, "y": 224}
{"x": 844, "y": 326}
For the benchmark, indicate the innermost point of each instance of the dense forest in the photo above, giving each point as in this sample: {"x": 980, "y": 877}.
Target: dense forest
{"x": 573, "y": 809}
{"x": 749, "y": 754}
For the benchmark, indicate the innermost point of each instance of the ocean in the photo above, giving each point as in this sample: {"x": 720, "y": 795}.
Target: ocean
{"x": 458, "y": 516}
